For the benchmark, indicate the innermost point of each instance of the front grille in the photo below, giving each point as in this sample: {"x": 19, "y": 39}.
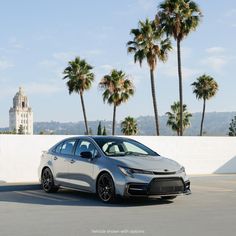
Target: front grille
{"x": 159, "y": 186}
{"x": 164, "y": 173}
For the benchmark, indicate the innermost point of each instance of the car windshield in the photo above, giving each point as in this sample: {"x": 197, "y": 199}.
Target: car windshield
{"x": 123, "y": 147}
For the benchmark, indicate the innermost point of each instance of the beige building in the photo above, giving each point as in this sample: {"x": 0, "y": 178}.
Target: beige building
{"x": 21, "y": 113}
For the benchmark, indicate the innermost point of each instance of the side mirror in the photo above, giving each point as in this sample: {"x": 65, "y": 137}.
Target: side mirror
{"x": 87, "y": 155}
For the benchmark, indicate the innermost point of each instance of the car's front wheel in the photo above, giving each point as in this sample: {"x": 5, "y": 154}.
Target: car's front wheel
{"x": 106, "y": 188}
{"x": 47, "y": 181}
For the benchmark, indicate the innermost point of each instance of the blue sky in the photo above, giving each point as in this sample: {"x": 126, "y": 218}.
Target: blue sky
{"x": 38, "y": 38}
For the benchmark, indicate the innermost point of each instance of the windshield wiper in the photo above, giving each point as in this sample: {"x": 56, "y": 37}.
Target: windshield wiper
{"x": 126, "y": 153}
{"x": 115, "y": 154}
{"x": 135, "y": 153}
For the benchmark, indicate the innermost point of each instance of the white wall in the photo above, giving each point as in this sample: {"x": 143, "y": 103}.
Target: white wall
{"x": 20, "y": 154}
{"x": 199, "y": 155}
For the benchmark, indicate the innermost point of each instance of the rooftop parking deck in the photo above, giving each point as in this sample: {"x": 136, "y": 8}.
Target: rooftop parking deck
{"x": 209, "y": 210}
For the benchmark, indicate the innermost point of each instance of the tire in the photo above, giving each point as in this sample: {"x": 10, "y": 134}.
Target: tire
{"x": 47, "y": 181}
{"x": 106, "y": 188}
{"x": 168, "y": 197}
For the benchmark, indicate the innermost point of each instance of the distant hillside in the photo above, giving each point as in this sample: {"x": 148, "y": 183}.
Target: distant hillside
{"x": 216, "y": 124}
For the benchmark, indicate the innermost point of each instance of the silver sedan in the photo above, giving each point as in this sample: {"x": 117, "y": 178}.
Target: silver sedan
{"x": 111, "y": 167}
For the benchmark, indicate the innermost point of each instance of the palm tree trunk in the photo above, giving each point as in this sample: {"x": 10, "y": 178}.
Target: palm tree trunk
{"x": 180, "y": 86}
{"x": 84, "y": 113}
{"x": 114, "y": 120}
{"x": 203, "y": 114}
{"x": 154, "y": 101}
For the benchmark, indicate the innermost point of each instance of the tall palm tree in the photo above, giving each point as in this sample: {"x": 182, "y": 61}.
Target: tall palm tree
{"x": 80, "y": 78}
{"x": 178, "y": 18}
{"x": 148, "y": 44}
{"x": 204, "y": 88}
{"x": 174, "y": 117}
{"x": 117, "y": 90}
{"x": 129, "y": 126}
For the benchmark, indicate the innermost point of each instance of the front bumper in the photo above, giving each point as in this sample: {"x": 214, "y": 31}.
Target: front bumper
{"x": 158, "y": 187}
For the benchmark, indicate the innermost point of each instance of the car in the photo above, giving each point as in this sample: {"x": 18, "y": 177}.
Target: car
{"x": 111, "y": 166}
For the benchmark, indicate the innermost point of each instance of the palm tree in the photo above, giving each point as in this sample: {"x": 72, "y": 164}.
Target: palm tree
{"x": 148, "y": 44}
{"x": 178, "y": 18}
{"x": 117, "y": 90}
{"x": 204, "y": 88}
{"x": 174, "y": 117}
{"x": 129, "y": 126}
{"x": 80, "y": 78}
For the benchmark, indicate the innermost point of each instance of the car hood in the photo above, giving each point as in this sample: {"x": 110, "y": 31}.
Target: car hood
{"x": 151, "y": 163}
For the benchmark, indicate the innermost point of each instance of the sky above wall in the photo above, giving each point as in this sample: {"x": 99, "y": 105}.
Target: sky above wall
{"x": 38, "y": 38}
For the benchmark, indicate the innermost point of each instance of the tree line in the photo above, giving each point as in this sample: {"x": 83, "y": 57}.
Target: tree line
{"x": 151, "y": 41}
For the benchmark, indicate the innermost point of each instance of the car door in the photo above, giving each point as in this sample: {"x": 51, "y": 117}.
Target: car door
{"x": 60, "y": 161}
{"x": 81, "y": 169}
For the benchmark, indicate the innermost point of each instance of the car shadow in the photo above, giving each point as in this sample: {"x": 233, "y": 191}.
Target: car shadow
{"x": 34, "y": 195}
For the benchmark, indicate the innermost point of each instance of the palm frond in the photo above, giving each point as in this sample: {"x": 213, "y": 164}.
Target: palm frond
{"x": 179, "y": 17}
{"x": 174, "y": 117}
{"x": 146, "y": 43}
{"x": 117, "y": 87}
{"x": 205, "y": 87}
{"x": 79, "y": 75}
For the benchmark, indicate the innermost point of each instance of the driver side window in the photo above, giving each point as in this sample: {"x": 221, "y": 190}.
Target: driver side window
{"x": 113, "y": 148}
{"x": 85, "y": 146}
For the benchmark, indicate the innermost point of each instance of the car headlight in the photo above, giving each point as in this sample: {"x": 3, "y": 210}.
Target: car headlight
{"x": 130, "y": 171}
{"x": 181, "y": 170}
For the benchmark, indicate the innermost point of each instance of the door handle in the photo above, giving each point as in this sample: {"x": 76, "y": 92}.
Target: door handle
{"x": 72, "y": 161}
{"x": 55, "y": 158}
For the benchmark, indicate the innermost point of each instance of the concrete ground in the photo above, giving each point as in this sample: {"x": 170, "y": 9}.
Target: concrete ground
{"x": 210, "y": 210}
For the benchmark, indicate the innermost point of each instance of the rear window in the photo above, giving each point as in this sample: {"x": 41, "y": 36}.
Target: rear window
{"x": 57, "y": 149}
{"x": 65, "y": 147}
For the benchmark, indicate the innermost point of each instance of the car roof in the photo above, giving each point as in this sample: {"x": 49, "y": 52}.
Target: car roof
{"x": 97, "y": 137}
{"x": 104, "y": 137}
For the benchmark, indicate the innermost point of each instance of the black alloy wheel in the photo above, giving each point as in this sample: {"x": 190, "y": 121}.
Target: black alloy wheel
{"x": 47, "y": 181}
{"x": 106, "y": 188}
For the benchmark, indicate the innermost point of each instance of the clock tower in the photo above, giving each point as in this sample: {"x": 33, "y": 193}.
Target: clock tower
{"x": 21, "y": 115}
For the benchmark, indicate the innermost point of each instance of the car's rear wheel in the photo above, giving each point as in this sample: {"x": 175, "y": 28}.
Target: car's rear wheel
{"x": 106, "y": 188}
{"x": 47, "y": 181}
{"x": 168, "y": 197}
